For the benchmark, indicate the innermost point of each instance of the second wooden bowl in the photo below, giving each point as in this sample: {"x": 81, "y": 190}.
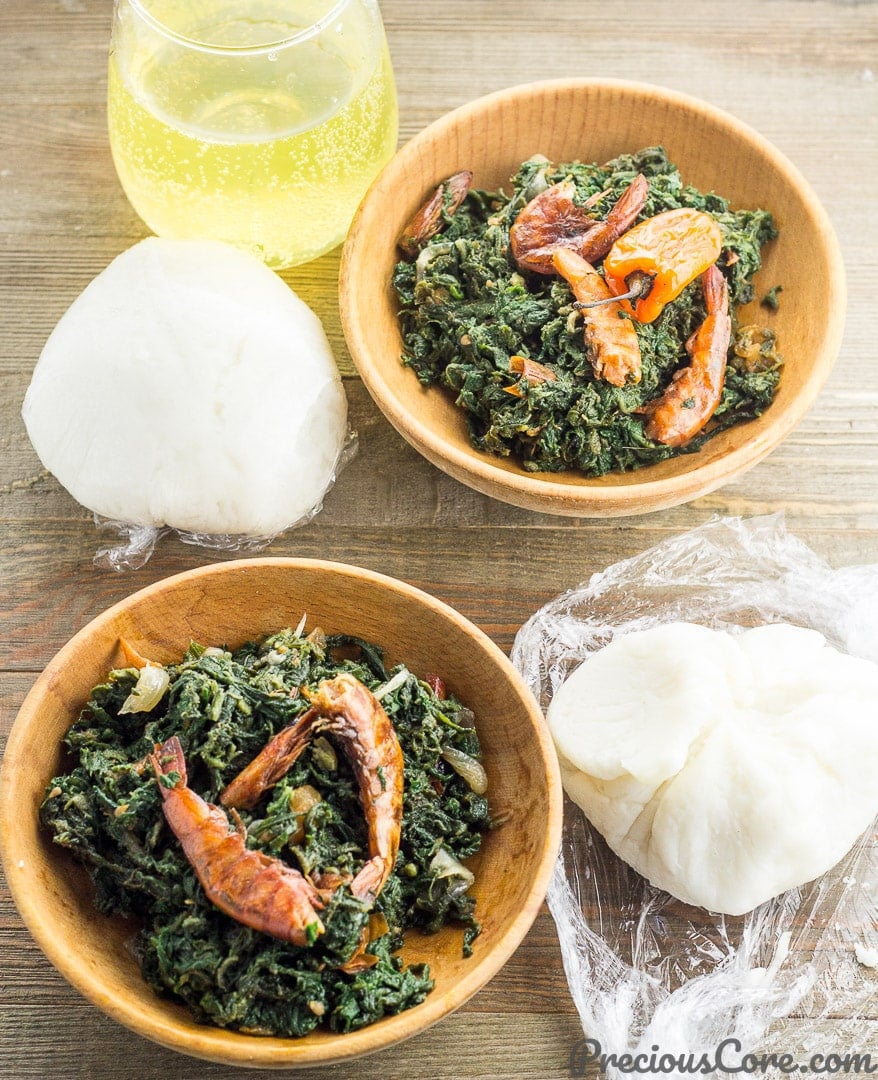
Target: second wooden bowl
{"x": 594, "y": 121}
{"x": 231, "y": 603}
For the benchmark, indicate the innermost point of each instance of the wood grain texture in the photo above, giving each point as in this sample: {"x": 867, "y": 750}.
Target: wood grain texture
{"x": 802, "y": 72}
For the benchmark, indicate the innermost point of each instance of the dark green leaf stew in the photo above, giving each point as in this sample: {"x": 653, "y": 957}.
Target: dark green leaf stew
{"x": 466, "y": 309}
{"x": 225, "y": 706}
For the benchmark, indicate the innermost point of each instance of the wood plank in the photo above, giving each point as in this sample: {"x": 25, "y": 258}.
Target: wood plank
{"x": 449, "y": 1051}
{"x": 495, "y": 576}
{"x": 455, "y": 1048}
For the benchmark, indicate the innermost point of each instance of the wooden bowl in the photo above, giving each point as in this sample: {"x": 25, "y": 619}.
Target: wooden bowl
{"x": 594, "y": 121}
{"x": 230, "y": 603}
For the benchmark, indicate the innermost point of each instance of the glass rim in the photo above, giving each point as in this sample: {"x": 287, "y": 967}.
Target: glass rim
{"x": 315, "y": 28}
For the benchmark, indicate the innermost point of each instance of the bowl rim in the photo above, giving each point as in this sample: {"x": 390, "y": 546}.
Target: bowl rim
{"x": 223, "y": 1045}
{"x": 586, "y": 496}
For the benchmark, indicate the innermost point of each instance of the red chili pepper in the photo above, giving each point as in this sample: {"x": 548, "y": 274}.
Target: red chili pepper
{"x": 437, "y": 685}
{"x": 672, "y": 248}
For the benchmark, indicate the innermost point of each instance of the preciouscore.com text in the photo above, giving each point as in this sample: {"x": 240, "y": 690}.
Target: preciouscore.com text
{"x": 727, "y": 1059}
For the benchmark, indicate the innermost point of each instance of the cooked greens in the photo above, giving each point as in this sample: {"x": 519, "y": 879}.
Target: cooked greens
{"x": 465, "y": 309}
{"x": 225, "y": 706}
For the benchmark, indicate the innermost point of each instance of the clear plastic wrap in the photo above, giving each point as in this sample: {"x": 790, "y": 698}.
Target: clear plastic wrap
{"x": 135, "y": 543}
{"x": 648, "y": 974}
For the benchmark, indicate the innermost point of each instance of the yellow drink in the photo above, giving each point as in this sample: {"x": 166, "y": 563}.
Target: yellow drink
{"x": 268, "y": 148}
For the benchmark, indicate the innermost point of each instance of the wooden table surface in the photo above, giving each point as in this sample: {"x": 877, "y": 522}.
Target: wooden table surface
{"x": 801, "y": 71}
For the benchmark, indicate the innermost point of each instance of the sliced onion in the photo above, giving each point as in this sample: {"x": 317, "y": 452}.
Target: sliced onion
{"x": 398, "y": 680}
{"x": 444, "y": 865}
{"x": 148, "y": 691}
{"x": 427, "y": 255}
{"x": 472, "y": 771}
{"x": 378, "y": 925}
{"x": 304, "y": 798}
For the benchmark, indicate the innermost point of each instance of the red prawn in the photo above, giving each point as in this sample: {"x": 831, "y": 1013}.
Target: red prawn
{"x": 610, "y": 337}
{"x": 348, "y": 710}
{"x": 430, "y": 219}
{"x": 255, "y": 889}
{"x": 695, "y": 391}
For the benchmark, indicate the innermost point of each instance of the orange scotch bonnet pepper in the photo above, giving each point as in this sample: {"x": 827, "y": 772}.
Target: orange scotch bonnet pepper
{"x": 672, "y": 248}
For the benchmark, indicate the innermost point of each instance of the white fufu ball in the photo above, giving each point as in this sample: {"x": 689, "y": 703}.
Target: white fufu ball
{"x": 189, "y": 386}
{"x": 725, "y": 768}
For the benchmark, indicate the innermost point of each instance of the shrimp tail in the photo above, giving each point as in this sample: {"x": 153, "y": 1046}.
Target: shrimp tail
{"x": 369, "y": 881}
{"x": 359, "y": 959}
{"x": 621, "y": 217}
{"x": 715, "y": 291}
{"x": 430, "y": 219}
{"x": 167, "y": 759}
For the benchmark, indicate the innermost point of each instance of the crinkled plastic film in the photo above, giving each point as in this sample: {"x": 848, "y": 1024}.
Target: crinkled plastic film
{"x": 644, "y": 969}
{"x": 136, "y": 543}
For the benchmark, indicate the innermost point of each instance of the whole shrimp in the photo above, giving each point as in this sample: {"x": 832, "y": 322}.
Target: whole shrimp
{"x": 348, "y": 710}
{"x": 430, "y": 219}
{"x": 357, "y": 719}
{"x": 695, "y": 391}
{"x": 552, "y": 220}
{"x": 255, "y": 889}
{"x": 610, "y": 337}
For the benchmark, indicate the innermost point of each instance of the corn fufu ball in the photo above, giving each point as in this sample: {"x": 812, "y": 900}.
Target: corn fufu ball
{"x": 188, "y": 386}
{"x": 725, "y": 768}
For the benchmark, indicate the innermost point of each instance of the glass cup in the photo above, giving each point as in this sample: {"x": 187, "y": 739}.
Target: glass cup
{"x": 257, "y": 122}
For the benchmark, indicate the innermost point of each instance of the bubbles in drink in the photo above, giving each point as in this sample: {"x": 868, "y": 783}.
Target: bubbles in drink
{"x": 276, "y": 162}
